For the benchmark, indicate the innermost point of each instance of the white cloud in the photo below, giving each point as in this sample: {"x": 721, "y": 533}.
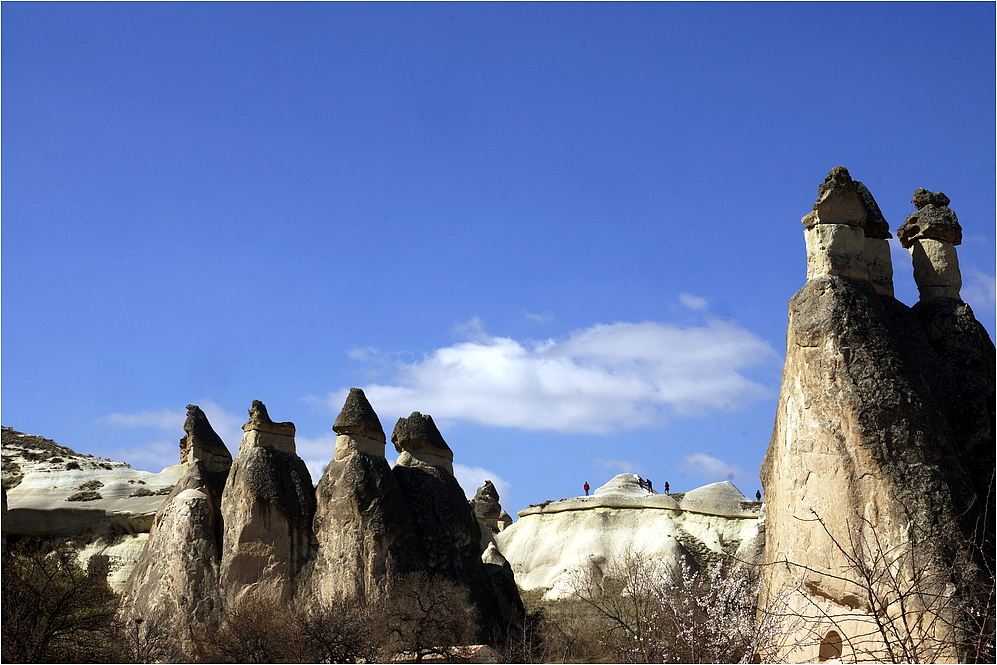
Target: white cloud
{"x": 473, "y": 477}
{"x": 619, "y": 465}
{"x": 316, "y": 453}
{"x": 597, "y": 380}
{"x": 546, "y": 317}
{"x": 160, "y": 453}
{"x": 708, "y": 466}
{"x": 692, "y": 302}
{"x": 165, "y": 420}
{"x": 980, "y": 290}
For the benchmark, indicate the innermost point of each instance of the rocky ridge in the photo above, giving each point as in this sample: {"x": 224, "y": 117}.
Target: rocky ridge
{"x": 551, "y": 541}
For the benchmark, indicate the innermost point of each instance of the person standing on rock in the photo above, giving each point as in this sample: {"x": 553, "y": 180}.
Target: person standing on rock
{"x": 758, "y": 495}
{"x": 648, "y": 482}
{"x": 586, "y": 488}
{"x": 666, "y": 487}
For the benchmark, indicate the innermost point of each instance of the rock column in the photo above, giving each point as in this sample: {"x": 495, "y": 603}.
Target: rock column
{"x": 846, "y": 233}
{"x": 931, "y": 234}
{"x": 267, "y": 508}
{"x": 174, "y": 591}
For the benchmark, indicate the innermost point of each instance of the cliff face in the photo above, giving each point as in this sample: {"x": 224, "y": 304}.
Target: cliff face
{"x": 882, "y": 450}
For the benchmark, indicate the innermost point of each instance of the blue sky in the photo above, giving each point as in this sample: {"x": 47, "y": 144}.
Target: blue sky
{"x": 567, "y": 231}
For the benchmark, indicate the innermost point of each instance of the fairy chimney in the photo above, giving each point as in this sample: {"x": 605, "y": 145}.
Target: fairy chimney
{"x": 931, "y": 234}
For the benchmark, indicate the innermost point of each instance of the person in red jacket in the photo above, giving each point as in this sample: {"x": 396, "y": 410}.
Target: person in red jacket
{"x": 586, "y": 488}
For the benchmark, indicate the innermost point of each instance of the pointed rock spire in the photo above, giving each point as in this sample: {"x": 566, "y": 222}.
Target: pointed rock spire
{"x": 201, "y": 442}
{"x": 262, "y": 432}
{"x": 358, "y": 417}
{"x": 358, "y": 427}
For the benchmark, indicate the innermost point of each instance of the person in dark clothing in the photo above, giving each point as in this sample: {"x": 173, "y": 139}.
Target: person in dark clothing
{"x": 666, "y": 487}
{"x": 758, "y": 495}
{"x": 648, "y": 481}
{"x": 586, "y": 488}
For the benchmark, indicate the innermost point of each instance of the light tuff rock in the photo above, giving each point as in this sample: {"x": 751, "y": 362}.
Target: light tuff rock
{"x": 52, "y": 490}
{"x": 175, "y": 584}
{"x": 551, "y": 542}
{"x": 361, "y": 518}
{"x": 420, "y": 443}
{"x": 267, "y": 508}
{"x": 874, "y": 439}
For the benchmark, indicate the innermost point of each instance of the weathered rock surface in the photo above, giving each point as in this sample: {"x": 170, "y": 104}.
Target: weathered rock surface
{"x": 373, "y": 524}
{"x": 358, "y": 428}
{"x": 551, "y": 541}
{"x": 874, "y": 437}
{"x": 488, "y": 510}
{"x": 361, "y": 514}
{"x": 53, "y": 490}
{"x": 846, "y": 233}
{"x": 932, "y": 219}
{"x": 175, "y": 583}
{"x": 267, "y": 508}
{"x": 420, "y": 443}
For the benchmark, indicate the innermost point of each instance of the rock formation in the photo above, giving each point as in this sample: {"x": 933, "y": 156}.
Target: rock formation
{"x": 176, "y": 580}
{"x": 552, "y": 540}
{"x": 487, "y": 509}
{"x": 420, "y": 443}
{"x": 375, "y": 524}
{"x": 267, "y": 510}
{"x": 846, "y": 233}
{"x": 447, "y": 542}
{"x": 884, "y": 432}
{"x": 361, "y": 514}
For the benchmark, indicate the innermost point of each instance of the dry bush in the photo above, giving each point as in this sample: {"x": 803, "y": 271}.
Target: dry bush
{"x": 257, "y": 630}
{"x": 348, "y": 630}
{"x": 428, "y": 616}
{"x": 53, "y": 609}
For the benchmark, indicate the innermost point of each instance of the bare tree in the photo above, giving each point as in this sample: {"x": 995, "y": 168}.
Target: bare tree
{"x": 345, "y": 630}
{"x": 54, "y": 610}
{"x": 927, "y": 598}
{"x": 653, "y": 611}
{"x": 429, "y": 616}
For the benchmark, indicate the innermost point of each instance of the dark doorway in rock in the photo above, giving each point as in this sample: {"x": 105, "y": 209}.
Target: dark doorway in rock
{"x": 830, "y": 647}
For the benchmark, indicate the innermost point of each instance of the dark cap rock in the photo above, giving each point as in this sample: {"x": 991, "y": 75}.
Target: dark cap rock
{"x": 876, "y": 225}
{"x": 933, "y": 219}
{"x": 259, "y": 420}
{"x": 200, "y": 437}
{"x": 358, "y": 417}
{"x": 418, "y": 434}
{"x": 838, "y": 201}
